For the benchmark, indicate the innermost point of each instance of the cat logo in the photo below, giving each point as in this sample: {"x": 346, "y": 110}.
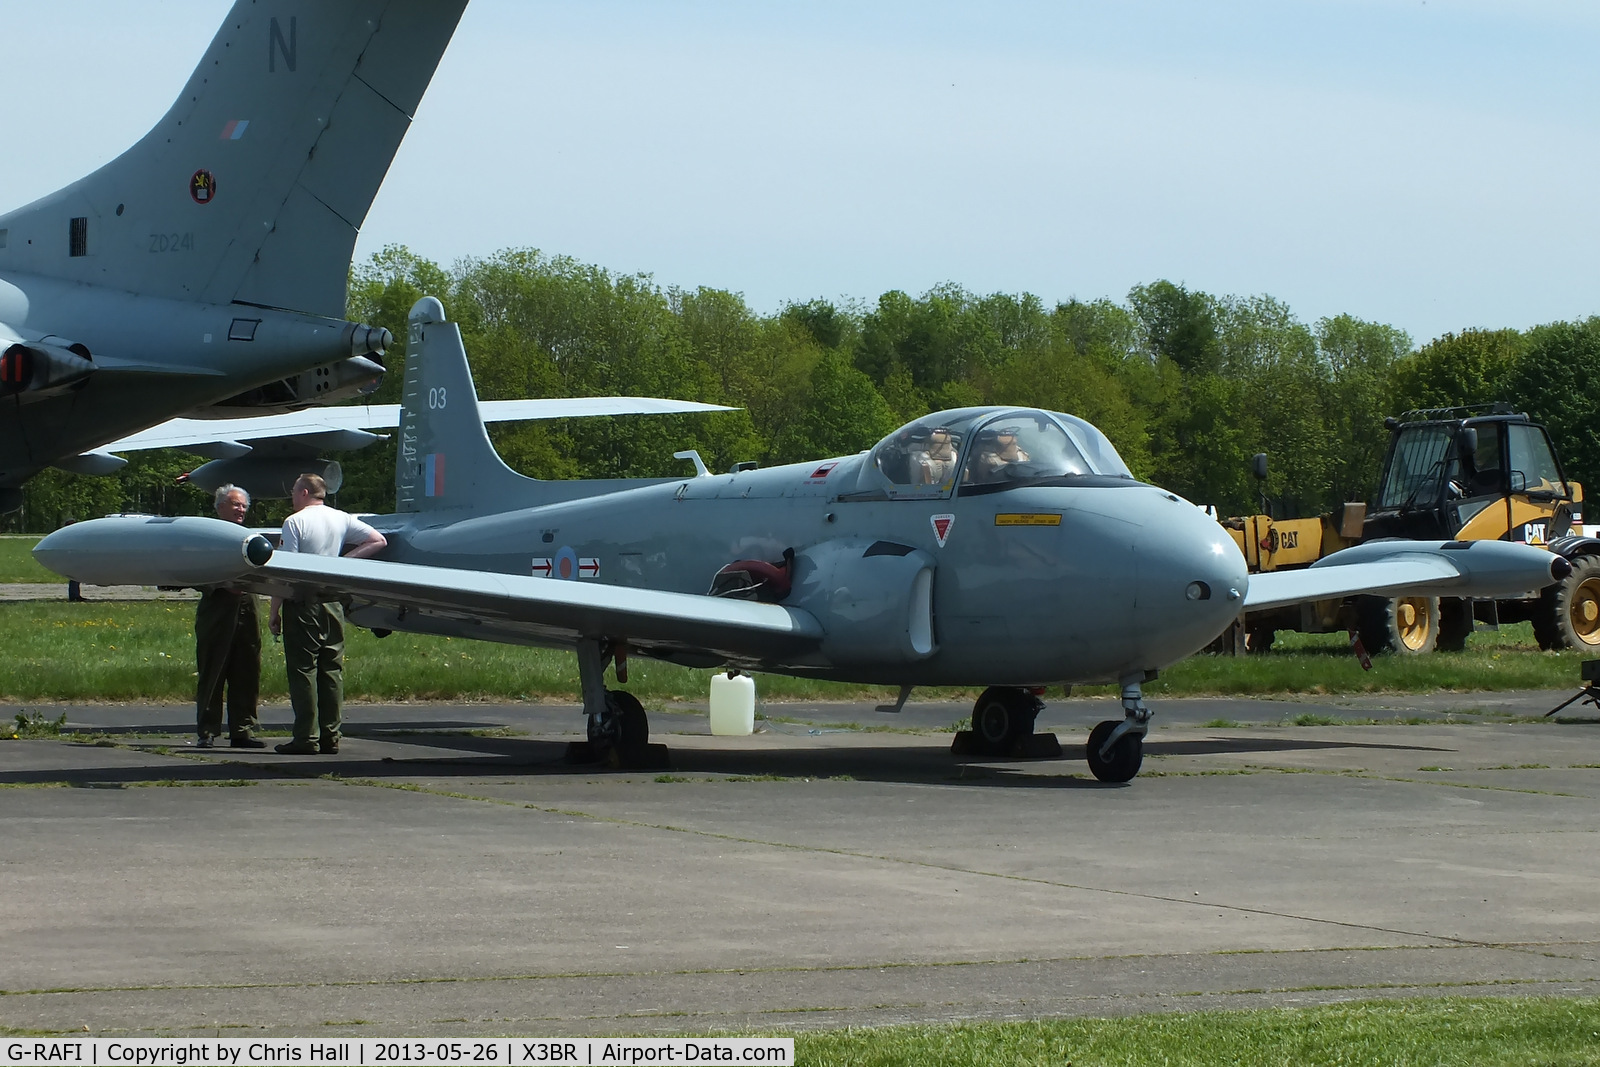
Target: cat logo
{"x": 1275, "y": 541}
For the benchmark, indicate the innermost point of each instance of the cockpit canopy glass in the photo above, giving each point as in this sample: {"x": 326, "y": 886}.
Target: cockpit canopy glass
{"x": 983, "y": 447}
{"x": 921, "y": 459}
{"x": 1096, "y": 446}
{"x": 1016, "y": 447}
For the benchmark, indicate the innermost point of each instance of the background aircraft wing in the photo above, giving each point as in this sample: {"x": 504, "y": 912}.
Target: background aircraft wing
{"x": 1491, "y": 569}
{"x": 315, "y": 422}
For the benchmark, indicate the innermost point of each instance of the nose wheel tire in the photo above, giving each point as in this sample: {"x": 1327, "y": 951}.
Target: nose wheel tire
{"x": 1122, "y": 761}
{"x": 1002, "y": 718}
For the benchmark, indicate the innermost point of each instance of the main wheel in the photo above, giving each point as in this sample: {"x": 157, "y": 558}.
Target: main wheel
{"x": 1123, "y": 761}
{"x": 1002, "y": 717}
{"x": 633, "y": 725}
{"x": 624, "y": 726}
{"x": 1408, "y": 626}
{"x": 1569, "y": 612}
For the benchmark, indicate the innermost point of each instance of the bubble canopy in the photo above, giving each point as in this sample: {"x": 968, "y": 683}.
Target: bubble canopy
{"x": 989, "y": 449}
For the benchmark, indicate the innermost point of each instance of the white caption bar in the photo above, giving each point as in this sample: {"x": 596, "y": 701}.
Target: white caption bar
{"x": 397, "y": 1052}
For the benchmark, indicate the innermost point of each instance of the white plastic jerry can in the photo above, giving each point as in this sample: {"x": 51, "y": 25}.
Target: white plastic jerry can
{"x": 733, "y": 704}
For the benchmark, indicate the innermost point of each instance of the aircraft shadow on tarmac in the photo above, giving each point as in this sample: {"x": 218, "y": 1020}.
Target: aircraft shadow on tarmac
{"x": 187, "y": 731}
{"x": 469, "y": 756}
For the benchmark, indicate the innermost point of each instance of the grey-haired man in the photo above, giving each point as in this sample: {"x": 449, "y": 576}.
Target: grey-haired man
{"x": 227, "y": 649}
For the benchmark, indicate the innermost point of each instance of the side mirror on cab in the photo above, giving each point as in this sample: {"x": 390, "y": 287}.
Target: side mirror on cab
{"x": 1467, "y": 447}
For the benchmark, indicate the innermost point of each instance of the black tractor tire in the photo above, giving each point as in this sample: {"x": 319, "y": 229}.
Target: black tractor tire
{"x": 1406, "y": 626}
{"x": 1568, "y": 615}
{"x": 1124, "y": 759}
{"x": 1455, "y": 623}
{"x": 1002, "y": 717}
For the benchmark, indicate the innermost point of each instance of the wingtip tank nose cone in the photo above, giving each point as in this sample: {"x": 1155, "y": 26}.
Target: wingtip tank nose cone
{"x": 1560, "y": 567}
{"x": 258, "y": 550}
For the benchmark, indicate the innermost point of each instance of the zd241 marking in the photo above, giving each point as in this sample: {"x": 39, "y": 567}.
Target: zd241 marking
{"x": 171, "y": 242}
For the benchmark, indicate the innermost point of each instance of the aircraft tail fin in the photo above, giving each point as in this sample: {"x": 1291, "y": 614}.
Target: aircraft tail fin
{"x": 445, "y": 458}
{"x": 254, "y": 184}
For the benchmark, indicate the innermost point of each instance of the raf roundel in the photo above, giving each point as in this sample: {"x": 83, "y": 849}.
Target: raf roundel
{"x": 202, "y": 187}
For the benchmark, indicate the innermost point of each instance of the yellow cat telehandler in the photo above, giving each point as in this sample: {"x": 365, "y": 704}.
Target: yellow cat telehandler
{"x": 1463, "y": 474}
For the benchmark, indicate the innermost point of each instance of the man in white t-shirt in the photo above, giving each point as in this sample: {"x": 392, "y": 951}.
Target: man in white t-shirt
{"x": 313, "y": 633}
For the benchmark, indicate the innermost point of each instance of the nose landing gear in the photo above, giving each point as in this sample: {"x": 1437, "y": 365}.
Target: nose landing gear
{"x": 1116, "y": 749}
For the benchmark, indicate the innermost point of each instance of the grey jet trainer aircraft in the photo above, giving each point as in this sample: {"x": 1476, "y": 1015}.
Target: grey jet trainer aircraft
{"x": 203, "y": 271}
{"x": 1007, "y": 548}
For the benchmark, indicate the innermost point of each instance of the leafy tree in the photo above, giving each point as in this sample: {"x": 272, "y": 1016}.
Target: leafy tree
{"x": 1361, "y": 358}
{"x": 1178, "y": 325}
{"x": 843, "y": 412}
{"x": 1470, "y": 367}
{"x": 1557, "y": 381}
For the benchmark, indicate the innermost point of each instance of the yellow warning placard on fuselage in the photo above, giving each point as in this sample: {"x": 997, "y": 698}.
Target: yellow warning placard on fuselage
{"x": 1026, "y": 518}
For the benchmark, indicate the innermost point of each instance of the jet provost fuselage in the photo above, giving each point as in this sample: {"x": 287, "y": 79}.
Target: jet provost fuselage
{"x": 1029, "y": 585}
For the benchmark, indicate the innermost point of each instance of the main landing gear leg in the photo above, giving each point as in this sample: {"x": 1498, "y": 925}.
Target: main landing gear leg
{"x": 1002, "y": 725}
{"x": 1116, "y": 749}
{"x": 619, "y": 730}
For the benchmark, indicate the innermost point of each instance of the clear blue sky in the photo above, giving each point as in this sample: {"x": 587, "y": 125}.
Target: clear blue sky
{"x": 1430, "y": 165}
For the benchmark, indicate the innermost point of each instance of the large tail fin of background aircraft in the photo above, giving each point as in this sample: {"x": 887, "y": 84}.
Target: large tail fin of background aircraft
{"x": 254, "y": 184}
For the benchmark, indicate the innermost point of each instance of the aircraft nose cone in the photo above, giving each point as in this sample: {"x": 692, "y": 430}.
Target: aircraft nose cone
{"x": 1192, "y": 582}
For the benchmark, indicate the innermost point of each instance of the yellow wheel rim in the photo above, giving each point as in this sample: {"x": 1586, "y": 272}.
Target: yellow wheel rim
{"x": 1412, "y": 621}
{"x": 1585, "y": 611}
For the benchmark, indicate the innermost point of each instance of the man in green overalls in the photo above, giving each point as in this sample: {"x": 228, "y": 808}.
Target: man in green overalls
{"x": 313, "y": 632}
{"x": 227, "y": 649}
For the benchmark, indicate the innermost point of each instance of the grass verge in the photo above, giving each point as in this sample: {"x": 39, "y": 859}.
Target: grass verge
{"x": 17, "y": 563}
{"x": 145, "y": 651}
{"x": 1400, "y": 1033}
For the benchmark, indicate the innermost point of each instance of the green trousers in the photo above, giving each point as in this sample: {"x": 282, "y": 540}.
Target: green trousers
{"x": 313, "y": 652}
{"x": 227, "y": 655}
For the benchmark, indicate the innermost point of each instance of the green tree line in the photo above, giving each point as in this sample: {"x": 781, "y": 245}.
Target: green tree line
{"x": 1188, "y": 385}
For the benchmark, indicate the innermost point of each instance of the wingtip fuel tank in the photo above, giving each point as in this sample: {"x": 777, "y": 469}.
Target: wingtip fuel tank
{"x": 141, "y": 550}
{"x": 1487, "y": 569}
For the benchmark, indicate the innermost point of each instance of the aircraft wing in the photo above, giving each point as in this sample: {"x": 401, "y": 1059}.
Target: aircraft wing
{"x": 506, "y": 607}
{"x": 1490, "y": 569}
{"x": 316, "y": 423}
{"x": 484, "y": 605}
